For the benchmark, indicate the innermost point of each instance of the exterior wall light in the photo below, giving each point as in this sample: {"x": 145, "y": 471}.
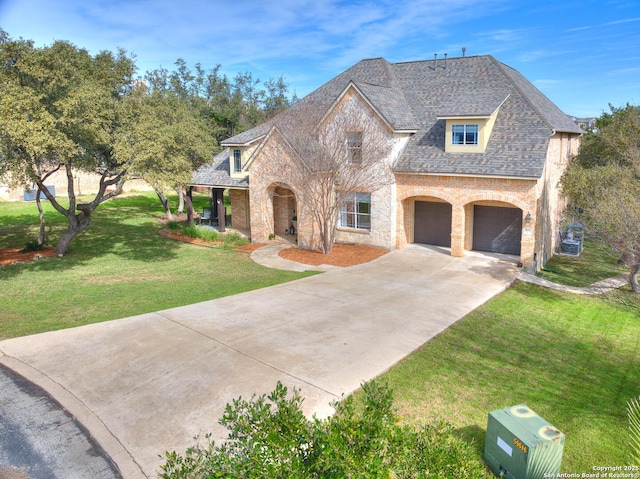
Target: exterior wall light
{"x": 527, "y": 219}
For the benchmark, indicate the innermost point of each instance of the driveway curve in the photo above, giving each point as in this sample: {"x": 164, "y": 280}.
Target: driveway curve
{"x": 150, "y": 383}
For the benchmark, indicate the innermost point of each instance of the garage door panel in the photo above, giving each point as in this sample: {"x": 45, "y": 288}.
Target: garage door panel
{"x": 497, "y": 230}
{"x": 432, "y": 223}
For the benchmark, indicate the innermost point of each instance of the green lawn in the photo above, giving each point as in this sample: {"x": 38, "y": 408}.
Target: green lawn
{"x": 595, "y": 263}
{"x": 573, "y": 359}
{"x": 119, "y": 267}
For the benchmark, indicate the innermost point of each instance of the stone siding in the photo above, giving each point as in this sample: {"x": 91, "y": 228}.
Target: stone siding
{"x": 382, "y": 234}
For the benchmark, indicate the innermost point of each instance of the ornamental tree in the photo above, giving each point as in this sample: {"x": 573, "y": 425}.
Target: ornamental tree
{"x": 340, "y": 154}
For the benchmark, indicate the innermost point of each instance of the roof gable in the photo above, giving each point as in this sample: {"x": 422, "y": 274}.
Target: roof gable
{"x": 417, "y": 96}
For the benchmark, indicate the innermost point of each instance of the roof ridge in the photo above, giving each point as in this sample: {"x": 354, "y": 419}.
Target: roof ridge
{"x": 390, "y": 76}
{"x": 526, "y": 98}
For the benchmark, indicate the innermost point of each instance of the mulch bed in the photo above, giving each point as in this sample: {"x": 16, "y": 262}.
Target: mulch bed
{"x": 340, "y": 255}
{"x": 15, "y": 255}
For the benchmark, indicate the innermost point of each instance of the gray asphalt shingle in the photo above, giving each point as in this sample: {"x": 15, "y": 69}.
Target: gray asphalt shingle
{"x": 417, "y": 95}
{"x": 217, "y": 174}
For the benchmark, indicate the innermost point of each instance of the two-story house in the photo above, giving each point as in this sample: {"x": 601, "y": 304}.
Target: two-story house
{"x": 477, "y": 158}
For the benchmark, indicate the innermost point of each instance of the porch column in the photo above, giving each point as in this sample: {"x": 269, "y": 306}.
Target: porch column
{"x": 457, "y": 230}
{"x": 219, "y": 207}
{"x": 528, "y": 257}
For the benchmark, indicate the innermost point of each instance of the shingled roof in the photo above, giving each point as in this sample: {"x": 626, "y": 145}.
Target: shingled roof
{"x": 217, "y": 174}
{"x": 417, "y": 96}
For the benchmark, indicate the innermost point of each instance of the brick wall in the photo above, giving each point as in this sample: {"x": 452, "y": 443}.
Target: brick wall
{"x": 551, "y": 203}
{"x": 239, "y": 208}
{"x": 462, "y": 193}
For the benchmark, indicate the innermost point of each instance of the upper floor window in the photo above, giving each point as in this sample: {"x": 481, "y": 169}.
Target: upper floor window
{"x": 464, "y": 134}
{"x": 354, "y": 147}
{"x": 355, "y": 211}
{"x": 237, "y": 161}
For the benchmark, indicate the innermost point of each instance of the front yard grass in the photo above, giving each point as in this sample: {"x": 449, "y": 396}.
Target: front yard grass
{"x": 595, "y": 263}
{"x": 573, "y": 359}
{"x": 118, "y": 267}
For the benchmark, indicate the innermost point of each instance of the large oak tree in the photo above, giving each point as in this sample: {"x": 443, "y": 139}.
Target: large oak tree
{"x": 59, "y": 112}
{"x": 165, "y": 136}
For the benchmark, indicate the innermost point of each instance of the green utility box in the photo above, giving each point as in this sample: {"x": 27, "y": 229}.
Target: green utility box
{"x": 521, "y": 445}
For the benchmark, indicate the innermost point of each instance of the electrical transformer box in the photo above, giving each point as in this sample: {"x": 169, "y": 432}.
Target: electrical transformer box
{"x": 521, "y": 445}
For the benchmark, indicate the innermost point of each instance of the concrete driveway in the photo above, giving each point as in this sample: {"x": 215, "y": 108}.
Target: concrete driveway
{"x": 147, "y": 384}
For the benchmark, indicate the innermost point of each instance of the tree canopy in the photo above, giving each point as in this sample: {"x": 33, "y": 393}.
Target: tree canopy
{"x": 63, "y": 109}
{"x": 164, "y": 136}
{"x": 58, "y": 111}
{"x": 603, "y": 184}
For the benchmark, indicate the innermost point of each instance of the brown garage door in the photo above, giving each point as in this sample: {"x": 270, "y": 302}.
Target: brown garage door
{"x": 497, "y": 230}
{"x": 432, "y": 223}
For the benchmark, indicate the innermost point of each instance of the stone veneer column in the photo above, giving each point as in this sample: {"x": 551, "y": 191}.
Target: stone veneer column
{"x": 457, "y": 231}
{"x": 527, "y": 246}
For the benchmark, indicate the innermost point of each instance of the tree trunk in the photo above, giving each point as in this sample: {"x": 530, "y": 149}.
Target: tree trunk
{"x": 165, "y": 204}
{"x": 326, "y": 234}
{"x": 190, "y": 211}
{"x": 180, "y": 199}
{"x": 41, "y": 233}
{"x": 77, "y": 224}
{"x": 633, "y": 276}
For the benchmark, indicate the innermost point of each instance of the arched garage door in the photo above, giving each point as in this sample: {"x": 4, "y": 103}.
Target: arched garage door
{"x": 432, "y": 223}
{"x": 497, "y": 230}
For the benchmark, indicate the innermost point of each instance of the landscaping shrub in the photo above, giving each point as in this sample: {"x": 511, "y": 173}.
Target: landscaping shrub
{"x": 31, "y": 245}
{"x": 203, "y": 234}
{"x": 173, "y": 225}
{"x": 233, "y": 240}
{"x": 269, "y": 437}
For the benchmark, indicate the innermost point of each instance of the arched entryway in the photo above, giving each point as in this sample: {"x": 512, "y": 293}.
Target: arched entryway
{"x": 284, "y": 212}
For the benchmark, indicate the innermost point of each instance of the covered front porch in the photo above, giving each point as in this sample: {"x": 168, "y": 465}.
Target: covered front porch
{"x": 227, "y": 204}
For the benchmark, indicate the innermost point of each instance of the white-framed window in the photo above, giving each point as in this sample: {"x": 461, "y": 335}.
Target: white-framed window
{"x": 354, "y": 147}
{"x": 464, "y": 134}
{"x": 237, "y": 161}
{"x": 355, "y": 211}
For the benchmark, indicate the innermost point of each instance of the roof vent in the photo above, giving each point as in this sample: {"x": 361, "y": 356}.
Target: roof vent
{"x": 445, "y": 61}
{"x": 464, "y": 51}
{"x": 435, "y": 60}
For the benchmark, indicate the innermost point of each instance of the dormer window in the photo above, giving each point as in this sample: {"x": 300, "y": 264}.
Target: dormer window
{"x": 465, "y": 134}
{"x": 354, "y": 147}
{"x": 237, "y": 161}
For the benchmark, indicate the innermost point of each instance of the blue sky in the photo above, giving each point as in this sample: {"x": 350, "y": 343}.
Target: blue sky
{"x": 582, "y": 54}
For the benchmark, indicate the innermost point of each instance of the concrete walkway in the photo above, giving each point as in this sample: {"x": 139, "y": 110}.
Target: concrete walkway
{"x": 148, "y": 384}
{"x": 599, "y": 287}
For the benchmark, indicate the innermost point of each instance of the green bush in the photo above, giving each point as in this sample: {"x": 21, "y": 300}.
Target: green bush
{"x": 269, "y": 437}
{"x": 31, "y": 245}
{"x": 233, "y": 240}
{"x": 203, "y": 234}
{"x": 173, "y": 225}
